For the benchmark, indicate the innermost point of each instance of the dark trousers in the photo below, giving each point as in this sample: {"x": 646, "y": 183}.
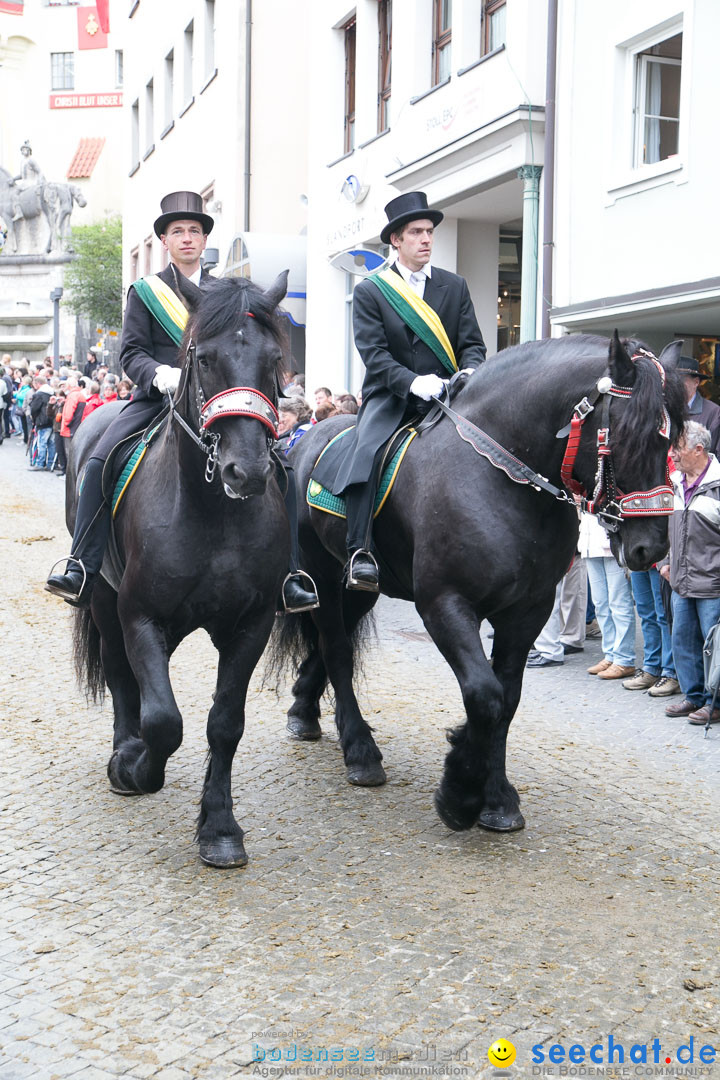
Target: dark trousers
{"x": 60, "y": 450}
{"x": 360, "y": 504}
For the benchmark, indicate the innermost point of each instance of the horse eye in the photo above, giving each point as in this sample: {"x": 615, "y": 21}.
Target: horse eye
{"x": 203, "y": 361}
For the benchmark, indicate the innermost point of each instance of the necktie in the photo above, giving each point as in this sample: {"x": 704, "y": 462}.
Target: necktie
{"x": 417, "y": 280}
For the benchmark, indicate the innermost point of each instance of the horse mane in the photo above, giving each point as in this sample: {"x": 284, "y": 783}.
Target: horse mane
{"x": 226, "y": 305}
{"x": 637, "y": 427}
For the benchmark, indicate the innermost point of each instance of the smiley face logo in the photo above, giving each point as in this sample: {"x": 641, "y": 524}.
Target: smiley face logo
{"x": 501, "y": 1053}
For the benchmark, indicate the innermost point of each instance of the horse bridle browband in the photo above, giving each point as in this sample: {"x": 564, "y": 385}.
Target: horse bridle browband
{"x": 235, "y": 401}
{"x": 608, "y": 504}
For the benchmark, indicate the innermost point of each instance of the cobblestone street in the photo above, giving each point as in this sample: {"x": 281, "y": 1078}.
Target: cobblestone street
{"x": 360, "y": 920}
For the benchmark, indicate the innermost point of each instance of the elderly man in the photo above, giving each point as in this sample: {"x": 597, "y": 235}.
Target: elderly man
{"x": 414, "y": 326}
{"x": 699, "y": 408}
{"x": 694, "y": 568}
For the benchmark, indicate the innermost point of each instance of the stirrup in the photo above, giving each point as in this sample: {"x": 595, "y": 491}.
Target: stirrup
{"x": 59, "y": 592}
{"x": 358, "y": 583}
{"x": 313, "y": 589}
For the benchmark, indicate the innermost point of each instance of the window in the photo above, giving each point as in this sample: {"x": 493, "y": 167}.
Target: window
{"x": 149, "y": 114}
{"x": 134, "y": 134}
{"x": 148, "y": 245}
{"x": 657, "y": 101}
{"x": 169, "y": 87}
{"x": 209, "y": 37}
{"x": 442, "y": 39}
{"x": 62, "y": 71}
{"x": 238, "y": 263}
{"x": 493, "y": 25}
{"x": 134, "y": 264}
{"x": 349, "y": 138}
{"x": 118, "y": 67}
{"x": 384, "y": 62}
{"x": 188, "y": 75}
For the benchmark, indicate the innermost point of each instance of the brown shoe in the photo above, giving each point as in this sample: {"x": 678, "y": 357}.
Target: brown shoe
{"x": 681, "y": 708}
{"x": 616, "y": 671}
{"x": 603, "y": 665}
{"x": 703, "y": 716}
{"x": 665, "y": 687}
{"x": 641, "y": 680}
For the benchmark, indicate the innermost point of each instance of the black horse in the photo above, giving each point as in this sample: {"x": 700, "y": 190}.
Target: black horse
{"x": 196, "y": 553}
{"x": 466, "y": 543}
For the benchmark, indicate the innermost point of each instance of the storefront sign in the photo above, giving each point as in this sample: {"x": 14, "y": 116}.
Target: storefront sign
{"x": 86, "y": 101}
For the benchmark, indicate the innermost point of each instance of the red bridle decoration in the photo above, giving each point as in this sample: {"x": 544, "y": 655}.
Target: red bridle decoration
{"x": 240, "y": 401}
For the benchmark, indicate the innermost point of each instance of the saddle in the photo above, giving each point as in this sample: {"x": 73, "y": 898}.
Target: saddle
{"x": 395, "y": 449}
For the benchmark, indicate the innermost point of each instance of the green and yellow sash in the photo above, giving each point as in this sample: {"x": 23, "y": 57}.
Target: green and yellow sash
{"x": 415, "y": 313}
{"x": 163, "y": 304}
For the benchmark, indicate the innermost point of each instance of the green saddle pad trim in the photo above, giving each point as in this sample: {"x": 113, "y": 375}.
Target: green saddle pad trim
{"x": 322, "y": 499}
{"x": 123, "y": 481}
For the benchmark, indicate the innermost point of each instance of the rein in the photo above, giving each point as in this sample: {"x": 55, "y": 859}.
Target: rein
{"x": 608, "y": 504}
{"x": 235, "y": 401}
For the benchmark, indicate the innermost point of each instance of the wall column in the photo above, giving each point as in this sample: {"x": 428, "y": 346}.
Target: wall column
{"x": 530, "y": 176}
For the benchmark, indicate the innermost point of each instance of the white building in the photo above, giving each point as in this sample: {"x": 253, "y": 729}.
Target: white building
{"x": 457, "y": 111}
{"x": 216, "y": 103}
{"x": 61, "y": 92}
{"x": 636, "y": 236}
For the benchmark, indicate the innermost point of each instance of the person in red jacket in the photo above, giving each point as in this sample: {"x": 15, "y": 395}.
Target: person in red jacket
{"x": 94, "y": 401}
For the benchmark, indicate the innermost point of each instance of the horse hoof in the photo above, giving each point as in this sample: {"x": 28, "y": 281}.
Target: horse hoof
{"x": 224, "y": 854}
{"x": 372, "y": 775}
{"x": 447, "y": 816}
{"x": 305, "y": 730}
{"x": 497, "y": 821}
{"x": 118, "y": 784}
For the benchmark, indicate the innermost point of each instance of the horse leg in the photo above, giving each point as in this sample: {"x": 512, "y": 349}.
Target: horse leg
{"x": 138, "y": 765}
{"x": 308, "y": 688}
{"x": 219, "y": 837}
{"x": 336, "y": 619}
{"x": 474, "y": 787}
{"x": 116, "y": 666}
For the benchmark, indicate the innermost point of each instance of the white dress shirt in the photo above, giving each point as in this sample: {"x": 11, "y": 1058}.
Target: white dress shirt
{"x": 415, "y": 278}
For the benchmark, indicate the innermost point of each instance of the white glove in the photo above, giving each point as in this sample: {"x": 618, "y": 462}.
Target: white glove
{"x": 167, "y": 379}
{"x": 427, "y": 386}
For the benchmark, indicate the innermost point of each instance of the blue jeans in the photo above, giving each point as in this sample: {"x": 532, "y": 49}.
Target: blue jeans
{"x": 692, "y": 619}
{"x": 614, "y": 609}
{"x": 657, "y": 642}
{"x": 44, "y": 448}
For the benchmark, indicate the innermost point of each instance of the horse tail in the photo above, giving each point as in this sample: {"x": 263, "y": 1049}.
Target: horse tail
{"x": 86, "y": 654}
{"x": 295, "y": 638}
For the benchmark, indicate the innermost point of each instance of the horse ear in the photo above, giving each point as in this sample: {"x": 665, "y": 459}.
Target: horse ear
{"x": 278, "y": 289}
{"x": 191, "y": 293}
{"x": 671, "y": 354}
{"x": 622, "y": 368}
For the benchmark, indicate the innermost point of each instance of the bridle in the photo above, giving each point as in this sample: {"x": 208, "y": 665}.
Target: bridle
{"x": 608, "y": 504}
{"x": 235, "y": 401}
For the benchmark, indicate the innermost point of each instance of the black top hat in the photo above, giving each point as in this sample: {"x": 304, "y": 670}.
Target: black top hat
{"x": 688, "y": 365}
{"x": 408, "y": 207}
{"x": 182, "y": 206}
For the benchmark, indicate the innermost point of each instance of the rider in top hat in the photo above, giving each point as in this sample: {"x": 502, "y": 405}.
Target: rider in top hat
{"x": 414, "y": 325}
{"x": 148, "y": 355}
{"x": 699, "y": 408}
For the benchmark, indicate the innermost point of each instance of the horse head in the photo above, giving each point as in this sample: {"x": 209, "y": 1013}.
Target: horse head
{"x": 643, "y": 415}
{"x": 233, "y": 349}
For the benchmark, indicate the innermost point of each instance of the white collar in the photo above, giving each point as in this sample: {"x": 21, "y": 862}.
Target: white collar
{"x": 195, "y": 278}
{"x": 406, "y": 273}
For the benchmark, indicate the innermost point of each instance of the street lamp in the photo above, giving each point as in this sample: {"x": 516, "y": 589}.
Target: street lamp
{"x": 55, "y": 296}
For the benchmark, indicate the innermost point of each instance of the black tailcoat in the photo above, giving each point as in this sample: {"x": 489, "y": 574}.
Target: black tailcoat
{"x": 143, "y": 347}
{"x": 393, "y": 355}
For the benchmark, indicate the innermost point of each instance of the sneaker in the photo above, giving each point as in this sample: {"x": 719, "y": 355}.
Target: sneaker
{"x": 664, "y": 687}
{"x": 641, "y": 680}
{"x": 592, "y": 630}
{"x": 616, "y": 671}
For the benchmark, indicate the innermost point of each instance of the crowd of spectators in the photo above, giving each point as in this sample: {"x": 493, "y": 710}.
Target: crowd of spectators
{"x": 297, "y": 415}
{"x": 45, "y": 406}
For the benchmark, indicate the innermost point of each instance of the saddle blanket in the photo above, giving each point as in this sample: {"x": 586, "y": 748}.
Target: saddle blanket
{"x": 322, "y": 499}
{"x": 137, "y": 451}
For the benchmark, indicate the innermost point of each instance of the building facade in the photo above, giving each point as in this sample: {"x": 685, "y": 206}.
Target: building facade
{"x": 636, "y": 237}
{"x": 439, "y": 96}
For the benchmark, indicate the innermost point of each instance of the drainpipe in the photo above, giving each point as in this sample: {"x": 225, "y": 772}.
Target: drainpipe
{"x": 549, "y": 179}
{"x": 530, "y": 176}
{"x": 248, "y": 101}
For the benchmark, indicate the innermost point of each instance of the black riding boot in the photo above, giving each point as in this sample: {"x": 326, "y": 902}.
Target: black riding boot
{"x": 299, "y": 592}
{"x": 92, "y": 528}
{"x": 361, "y": 571}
